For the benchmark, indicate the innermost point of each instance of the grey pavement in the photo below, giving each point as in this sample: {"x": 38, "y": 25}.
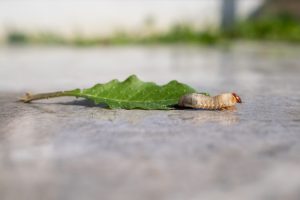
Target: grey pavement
{"x": 67, "y": 148}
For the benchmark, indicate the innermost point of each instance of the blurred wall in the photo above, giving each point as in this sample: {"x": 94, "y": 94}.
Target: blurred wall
{"x": 88, "y": 17}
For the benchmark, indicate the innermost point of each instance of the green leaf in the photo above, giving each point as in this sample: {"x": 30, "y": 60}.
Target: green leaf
{"x": 134, "y": 93}
{"x": 129, "y": 94}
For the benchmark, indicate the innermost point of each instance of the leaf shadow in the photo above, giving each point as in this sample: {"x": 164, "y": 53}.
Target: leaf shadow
{"x": 81, "y": 102}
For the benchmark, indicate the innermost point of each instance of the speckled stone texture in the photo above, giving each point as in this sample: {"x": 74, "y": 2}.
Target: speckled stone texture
{"x": 66, "y": 148}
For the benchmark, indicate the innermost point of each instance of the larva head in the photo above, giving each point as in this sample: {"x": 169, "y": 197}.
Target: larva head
{"x": 237, "y": 98}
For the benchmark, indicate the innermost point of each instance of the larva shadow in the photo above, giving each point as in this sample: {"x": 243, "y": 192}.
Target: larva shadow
{"x": 203, "y": 116}
{"x": 231, "y": 108}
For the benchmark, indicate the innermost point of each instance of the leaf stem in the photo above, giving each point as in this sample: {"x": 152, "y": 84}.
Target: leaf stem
{"x": 32, "y": 97}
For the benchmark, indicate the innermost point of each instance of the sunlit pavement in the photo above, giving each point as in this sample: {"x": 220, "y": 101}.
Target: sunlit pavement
{"x": 67, "y": 148}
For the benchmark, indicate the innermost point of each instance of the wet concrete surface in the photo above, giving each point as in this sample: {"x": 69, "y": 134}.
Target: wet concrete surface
{"x": 67, "y": 148}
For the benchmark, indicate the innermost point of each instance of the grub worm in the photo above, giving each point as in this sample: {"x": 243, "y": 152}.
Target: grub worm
{"x": 201, "y": 101}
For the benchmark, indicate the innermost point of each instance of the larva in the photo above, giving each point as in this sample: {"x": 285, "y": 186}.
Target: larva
{"x": 201, "y": 101}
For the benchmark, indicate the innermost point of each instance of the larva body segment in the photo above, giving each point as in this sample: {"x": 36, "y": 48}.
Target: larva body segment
{"x": 201, "y": 101}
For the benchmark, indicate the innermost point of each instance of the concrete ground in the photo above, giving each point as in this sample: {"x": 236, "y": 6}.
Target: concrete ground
{"x": 67, "y": 148}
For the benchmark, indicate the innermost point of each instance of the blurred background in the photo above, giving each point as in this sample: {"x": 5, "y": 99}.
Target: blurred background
{"x": 77, "y": 43}
{"x": 142, "y": 21}
{"x": 98, "y": 19}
